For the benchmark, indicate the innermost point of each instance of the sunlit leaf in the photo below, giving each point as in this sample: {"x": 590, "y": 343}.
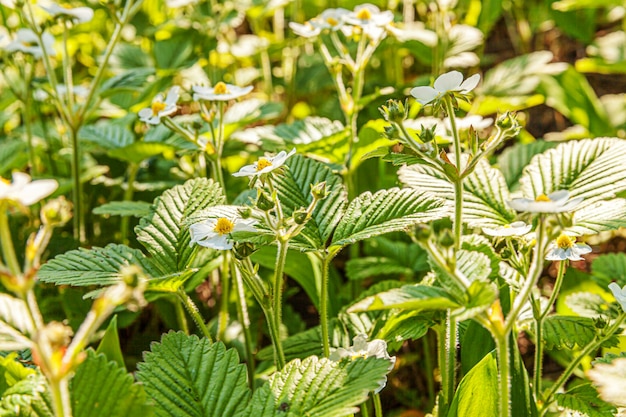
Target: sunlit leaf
{"x": 584, "y": 398}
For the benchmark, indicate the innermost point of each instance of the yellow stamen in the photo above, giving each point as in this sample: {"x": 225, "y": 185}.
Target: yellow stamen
{"x": 5, "y": 181}
{"x": 332, "y": 21}
{"x": 157, "y": 107}
{"x": 262, "y": 164}
{"x": 357, "y": 355}
{"x": 364, "y": 14}
{"x": 565, "y": 242}
{"x": 223, "y": 226}
{"x": 220, "y": 88}
{"x": 542, "y": 198}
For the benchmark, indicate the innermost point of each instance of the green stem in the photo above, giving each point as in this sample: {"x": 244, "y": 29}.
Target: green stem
{"x": 378, "y": 408}
{"x": 365, "y": 411}
{"x": 428, "y": 370}
{"x": 193, "y": 311}
{"x": 8, "y": 250}
{"x": 133, "y": 169}
{"x": 77, "y": 195}
{"x": 326, "y": 258}
{"x": 219, "y": 148}
{"x": 608, "y": 333}
{"x": 449, "y": 376}
{"x": 277, "y": 293}
{"x": 244, "y": 319}
{"x": 60, "y": 397}
{"x": 180, "y": 315}
{"x": 504, "y": 375}
{"x": 222, "y": 322}
{"x": 27, "y": 120}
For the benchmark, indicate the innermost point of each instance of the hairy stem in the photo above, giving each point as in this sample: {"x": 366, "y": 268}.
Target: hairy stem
{"x": 193, "y": 311}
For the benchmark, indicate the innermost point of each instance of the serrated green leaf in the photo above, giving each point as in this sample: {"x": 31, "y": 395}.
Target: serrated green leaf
{"x": 109, "y": 345}
{"x": 101, "y": 388}
{"x": 485, "y": 193}
{"x": 124, "y": 208}
{"x": 294, "y": 192}
{"x": 134, "y": 77}
{"x": 609, "y": 267}
{"x": 480, "y": 296}
{"x": 386, "y": 211}
{"x": 587, "y": 304}
{"x": 584, "y": 398}
{"x": 409, "y": 325}
{"x": 137, "y": 152}
{"x": 589, "y": 168}
{"x": 599, "y": 217}
{"x": 318, "y": 387}
{"x": 409, "y": 297}
{"x": 27, "y": 398}
{"x": 188, "y": 376}
{"x": 514, "y": 158}
{"x": 568, "y": 332}
{"x": 96, "y": 266}
{"x": 11, "y": 372}
{"x": 373, "y": 266}
{"x": 109, "y": 135}
{"x": 14, "y": 324}
{"x": 163, "y": 233}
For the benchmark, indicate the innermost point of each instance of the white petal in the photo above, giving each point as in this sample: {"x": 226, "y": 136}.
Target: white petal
{"x": 559, "y": 196}
{"x": 470, "y": 84}
{"x": 246, "y": 171}
{"x": 424, "y": 95}
{"x": 201, "y": 231}
{"x": 36, "y": 191}
{"x": 172, "y": 95}
{"x": 450, "y": 81}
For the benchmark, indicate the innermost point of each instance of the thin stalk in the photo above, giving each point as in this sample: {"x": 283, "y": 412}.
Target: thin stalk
{"x": 193, "y": 311}
{"x": 27, "y": 119}
{"x": 428, "y": 370}
{"x": 133, "y": 169}
{"x": 222, "y": 322}
{"x": 448, "y": 377}
{"x": 277, "y": 293}
{"x": 219, "y": 148}
{"x": 539, "y": 329}
{"x": 365, "y": 411}
{"x": 60, "y": 397}
{"x": 442, "y": 361}
{"x": 378, "y": 408}
{"x": 504, "y": 374}
{"x": 326, "y": 258}
{"x": 77, "y": 195}
{"x": 67, "y": 69}
{"x": 244, "y": 319}
{"x": 576, "y": 361}
{"x": 180, "y": 316}
{"x": 8, "y": 250}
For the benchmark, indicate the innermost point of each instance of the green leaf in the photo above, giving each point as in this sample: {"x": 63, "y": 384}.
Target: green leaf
{"x": 484, "y": 196}
{"x": 590, "y": 168}
{"x": 107, "y": 135}
{"x": 409, "y": 325}
{"x": 188, "y": 376}
{"x": 163, "y": 233}
{"x": 409, "y": 297}
{"x": 373, "y": 266}
{"x": 14, "y": 324}
{"x": 609, "y": 267}
{"x": 318, "y": 387}
{"x": 137, "y": 152}
{"x": 13, "y": 154}
{"x": 514, "y": 158}
{"x": 110, "y": 344}
{"x": 96, "y": 266}
{"x": 135, "y": 77}
{"x": 249, "y": 111}
{"x": 584, "y": 398}
{"x": 599, "y": 217}
{"x": 11, "y": 372}
{"x": 103, "y": 389}
{"x": 568, "y": 332}
{"x": 587, "y": 304}
{"x": 477, "y": 394}
{"x": 294, "y": 192}
{"x": 480, "y": 296}
{"x": 27, "y": 398}
{"x": 123, "y": 208}
{"x": 385, "y": 211}
{"x": 176, "y": 52}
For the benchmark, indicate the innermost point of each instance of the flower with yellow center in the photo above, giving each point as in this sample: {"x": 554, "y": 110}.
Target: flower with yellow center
{"x": 75, "y": 14}
{"x": 23, "y": 191}
{"x": 565, "y": 247}
{"x": 264, "y": 165}
{"x": 309, "y": 29}
{"x": 362, "y": 349}
{"x": 331, "y": 19}
{"x": 26, "y": 41}
{"x": 513, "y": 229}
{"x": 160, "y": 108}
{"x": 220, "y": 92}
{"x": 365, "y": 15}
{"x": 215, "y": 232}
{"x": 555, "y": 202}
{"x": 450, "y": 83}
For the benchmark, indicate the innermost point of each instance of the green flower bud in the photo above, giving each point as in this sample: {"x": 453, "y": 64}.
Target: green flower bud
{"x": 263, "y": 201}
{"x": 319, "y": 191}
{"x": 427, "y": 134}
{"x": 243, "y": 250}
{"x": 245, "y": 212}
{"x": 300, "y": 216}
{"x": 508, "y": 121}
{"x": 393, "y": 111}
{"x": 391, "y": 132}
{"x": 56, "y": 212}
{"x": 446, "y": 239}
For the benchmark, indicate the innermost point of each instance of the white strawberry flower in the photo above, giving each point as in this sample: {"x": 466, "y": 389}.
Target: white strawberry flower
{"x": 450, "y": 82}
{"x": 619, "y": 293}
{"x": 220, "y": 92}
{"x": 513, "y": 229}
{"x": 332, "y": 19}
{"x": 306, "y": 30}
{"x": 264, "y": 165}
{"x": 368, "y": 14}
{"x": 555, "y": 202}
{"x": 160, "y": 107}
{"x": 24, "y": 191}
{"x": 26, "y": 41}
{"x": 75, "y": 14}
{"x": 215, "y": 232}
{"x": 565, "y": 247}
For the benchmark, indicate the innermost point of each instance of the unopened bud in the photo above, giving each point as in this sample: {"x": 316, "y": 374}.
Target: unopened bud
{"x": 391, "y": 132}
{"x": 446, "y": 239}
{"x": 243, "y": 250}
{"x": 319, "y": 191}
{"x": 507, "y": 121}
{"x": 245, "y": 212}
{"x": 427, "y": 134}
{"x": 263, "y": 201}
{"x": 300, "y": 216}
{"x": 56, "y": 212}
{"x": 58, "y": 334}
{"x": 393, "y": 111}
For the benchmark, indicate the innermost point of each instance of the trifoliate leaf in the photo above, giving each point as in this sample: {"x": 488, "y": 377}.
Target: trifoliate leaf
{"x": 570, "y": 332}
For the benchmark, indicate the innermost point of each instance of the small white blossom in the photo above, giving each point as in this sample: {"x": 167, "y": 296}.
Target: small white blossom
{"x": 76, "y": 14}
{"x": 610, "y": 381}
{"x": 555, "y": 202}
{"x": 24, "y": 191}
{"x": 619, "y": 294}
{"x": 332, "y": 19}
{"x": 513, "y": 229}
{"x": 306, "y": 30}
{"x": 474, "y": 120}
{"x": 368, "y": 14}
{"x": 160, "y": 108}
{"x": 26, "y": 41}
{"x": 220, "y": 92}
{"x": 450, "y": 82}
{"x": 264, "y": 165}
{"x": 565, "y": 247}
{"x": 361, "y": 348}
{"x": 215, "y": 231}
